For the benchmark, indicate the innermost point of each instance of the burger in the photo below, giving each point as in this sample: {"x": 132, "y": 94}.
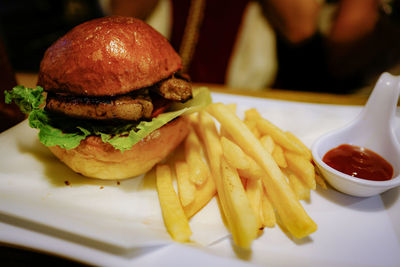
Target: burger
{"x": 110, "y": 101}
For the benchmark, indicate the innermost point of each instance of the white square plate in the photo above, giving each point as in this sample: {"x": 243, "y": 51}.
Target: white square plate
{"x": 46, "y": 206}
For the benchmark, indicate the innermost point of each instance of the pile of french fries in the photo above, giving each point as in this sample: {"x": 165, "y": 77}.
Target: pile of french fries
{"x": 258, "y": 172}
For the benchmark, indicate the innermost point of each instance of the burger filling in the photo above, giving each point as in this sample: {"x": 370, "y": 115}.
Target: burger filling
{"x": 137, "y": 105}
{"x": 57, "y": 129}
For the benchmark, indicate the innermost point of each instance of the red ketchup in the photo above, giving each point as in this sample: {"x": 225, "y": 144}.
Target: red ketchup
{"x": 359, "y": 162}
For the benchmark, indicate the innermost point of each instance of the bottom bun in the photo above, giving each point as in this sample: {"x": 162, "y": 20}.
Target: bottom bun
{"x": 95, "y": 159}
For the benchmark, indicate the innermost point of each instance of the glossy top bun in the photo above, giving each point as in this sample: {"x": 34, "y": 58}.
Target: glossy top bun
{"x": 107, "y": 56}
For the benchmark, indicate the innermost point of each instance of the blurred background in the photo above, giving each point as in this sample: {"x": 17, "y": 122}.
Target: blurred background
{"x": 334, "y": 46}
{"x": 337, "y": 46}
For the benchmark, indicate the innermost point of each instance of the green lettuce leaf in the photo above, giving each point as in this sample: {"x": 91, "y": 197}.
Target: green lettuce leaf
{"x": 26, "y": 98}
{"x": 67, "y": 133}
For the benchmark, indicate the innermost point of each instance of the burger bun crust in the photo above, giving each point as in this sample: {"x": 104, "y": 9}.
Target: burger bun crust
{"x": 95, "y": 159}
{"x": 107, "y": 56}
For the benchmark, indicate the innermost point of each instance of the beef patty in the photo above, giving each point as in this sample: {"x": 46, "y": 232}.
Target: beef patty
{"x": 133, "y": 106}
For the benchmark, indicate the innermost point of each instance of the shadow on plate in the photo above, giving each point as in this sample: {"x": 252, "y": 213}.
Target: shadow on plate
{"x": 385, "y": 200}
{"x": 128, "y": 253}
{"x": 60, "y": 175}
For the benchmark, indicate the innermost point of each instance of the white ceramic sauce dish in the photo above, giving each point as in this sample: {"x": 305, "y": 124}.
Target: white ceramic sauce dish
{"x": 373, "y": 129}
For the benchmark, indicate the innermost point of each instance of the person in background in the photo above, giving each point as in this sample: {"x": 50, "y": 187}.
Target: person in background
{"x": 332, "y": 46}
{"x": 227, "y": 42}
{"x": 245, "y": 44}
{"x": 219, "y": 41}
{"x": 353, "y": 43}
{"x": 363, "y": 42}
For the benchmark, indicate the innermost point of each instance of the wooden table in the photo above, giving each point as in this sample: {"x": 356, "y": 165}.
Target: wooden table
{"x": 19, "y": 256}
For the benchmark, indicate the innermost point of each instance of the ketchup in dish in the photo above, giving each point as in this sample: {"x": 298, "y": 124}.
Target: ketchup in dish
{"x": 359, "y": 162}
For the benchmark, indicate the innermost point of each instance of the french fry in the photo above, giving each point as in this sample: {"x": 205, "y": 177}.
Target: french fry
{"x": 203, "y": 195}
{"x": 223, "y": 133}
{"x": 245, "y": 165}
{"x": 268, "y": 143}
{"x": 186, "y": 189}
{"x": 252, "y": 114}
{"x": 292, "y": 214}
{"x": 207, "y": 190}
{"x": 302, "y": 168}
{"x": 268, "y": 214}
{"x": 267, "y": 128}
{"x": 193, "y": 118}
{"x": 195, "y": 124}
{"x": 254, "y": 191}
{"x": 234, "y": 155}
{"x": 254, "y": 171}
{"x": 232, "y": 107}
{"x": 320, "y": 181}
{"x": 209, "y": 135}
{"x": 223, "y": 183}
{"x": 279, "y": 157}
{"x": 194, "y": 159}
{"x": 174, "y": 217}
{"x": 300, "y": 189}
{"x": 253, "y": 127}
{"x": 306, "y": 150}
{"x": 244, "y": 223}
